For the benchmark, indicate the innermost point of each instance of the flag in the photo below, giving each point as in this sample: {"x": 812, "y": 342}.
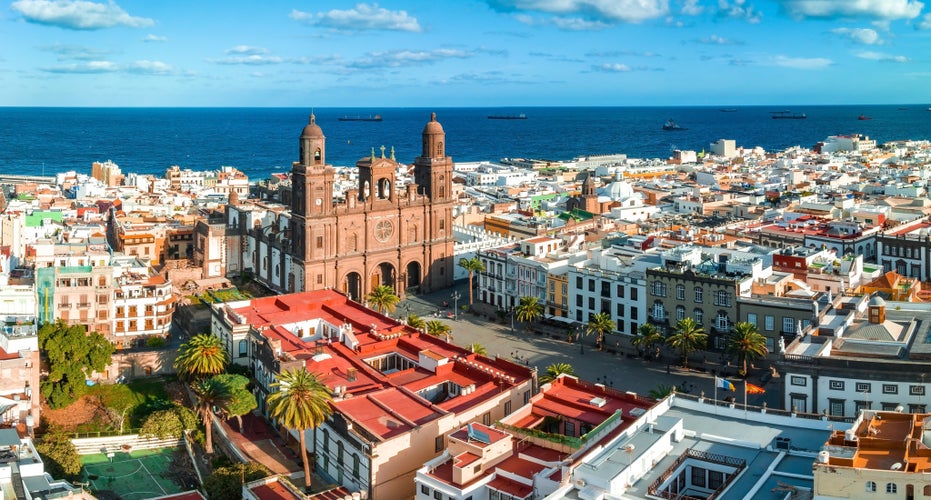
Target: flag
{"x": 755, "y": 389}
{"x": 721, "y": 383}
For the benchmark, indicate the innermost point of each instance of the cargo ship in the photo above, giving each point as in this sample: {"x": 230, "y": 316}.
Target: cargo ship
{"x": 370, "y": 118}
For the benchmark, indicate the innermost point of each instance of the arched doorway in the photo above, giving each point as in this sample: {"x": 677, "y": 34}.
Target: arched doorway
{"x": 352, "y": 285}
{"x": 413, "y": 276}
{"x": 384, "y": 274}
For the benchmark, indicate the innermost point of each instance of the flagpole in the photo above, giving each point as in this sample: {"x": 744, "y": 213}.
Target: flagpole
{"x": 745, "y": 399}
{"x": 715, "y": 395}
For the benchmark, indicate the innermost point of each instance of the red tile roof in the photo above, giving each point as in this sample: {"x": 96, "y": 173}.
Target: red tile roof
{"x": 514, "y": 488}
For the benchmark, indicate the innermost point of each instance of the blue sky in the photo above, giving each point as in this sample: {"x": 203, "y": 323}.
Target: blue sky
{"x": 464, "y": 52}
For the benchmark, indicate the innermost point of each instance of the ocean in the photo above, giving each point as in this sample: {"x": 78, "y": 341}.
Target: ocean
{"x": 262, "y": 141}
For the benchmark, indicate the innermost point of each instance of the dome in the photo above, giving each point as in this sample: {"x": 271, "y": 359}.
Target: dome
{"x": 877, "y": 301}
{"x": 618, "y": 190}
{"x": 312, "y": 129}
{"x": 433, "y": 126}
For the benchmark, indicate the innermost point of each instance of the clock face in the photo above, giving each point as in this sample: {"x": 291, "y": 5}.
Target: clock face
{"x": 383, "y": 230}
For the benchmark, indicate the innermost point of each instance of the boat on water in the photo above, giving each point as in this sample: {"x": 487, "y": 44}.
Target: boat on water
{"x": 672, "y": 125}
{"x": 864, "y": 117}
{"x": 727, "y": 110}
{"x": 787, "y": 115}
{"x": 370, "y": 118}
{"x": 508, "y": 117}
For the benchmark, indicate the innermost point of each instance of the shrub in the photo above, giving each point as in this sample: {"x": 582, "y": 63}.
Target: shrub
{"x": 155, "y": 342}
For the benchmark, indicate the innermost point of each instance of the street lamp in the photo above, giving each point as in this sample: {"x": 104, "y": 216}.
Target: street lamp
{"x": 455, "y": 296}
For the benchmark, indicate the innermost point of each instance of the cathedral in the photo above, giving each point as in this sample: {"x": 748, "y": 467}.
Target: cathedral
{"x": 378, "y": 234}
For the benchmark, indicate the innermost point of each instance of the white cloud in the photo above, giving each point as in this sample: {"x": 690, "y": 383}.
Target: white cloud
{"x": 882, "y": 9}
{"x": 252, "y": 59}
{"x": 866, "y": 36}
{"x": 739, "y": 9}
{"x": 577, "y": 24}
{"x": 154, "y": 38}
{"x": 925, "y": 23}
{"x": 691, "y": 8}
{"x": 398, "y": 58}
{"x": 717, "y": 40}
{"x": 802, "y": 62}
{"x": 76, "y": 52}
{"x": 78, "y": 14}
{"x": 246, "y": 50}
{"x": 880, "y": 56}
{"x": 361, "y": 17}
{"x": 631, "y": 11}
{"x": 85, "y": 68}
{"x": 149, "y": 68}
{"x": 612, "y": 68}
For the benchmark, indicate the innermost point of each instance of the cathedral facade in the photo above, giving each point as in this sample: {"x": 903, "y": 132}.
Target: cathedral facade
{"x": 378, "y": 234}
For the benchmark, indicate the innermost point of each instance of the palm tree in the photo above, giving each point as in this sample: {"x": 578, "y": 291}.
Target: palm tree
{"x": 600, "y": 324}
{"x": 555, "y": 370}
{"x": 661, "y": 391}
{"x": 478, "y": 349}
{"x": 528, "y": 310}
{"x": 473, "y": 265}
{"x": 438, "y": 328}
{"x": 202, "y": 356}
{"x": 648, "y": 338}
{"x": 415, "y": 321}
{"x": 210, "y": 395}
{"x": 745, "y": 344}
{"x": 689, "y": 337}
{"x": 302, "y": 402}
{"x": 383, "y": 299}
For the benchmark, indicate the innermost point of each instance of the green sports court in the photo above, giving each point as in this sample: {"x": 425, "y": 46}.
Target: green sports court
{"x": 134, "y": 475}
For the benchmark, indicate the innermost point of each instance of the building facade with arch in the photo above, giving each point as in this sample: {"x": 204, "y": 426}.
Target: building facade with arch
{"x": 377, "y": 235}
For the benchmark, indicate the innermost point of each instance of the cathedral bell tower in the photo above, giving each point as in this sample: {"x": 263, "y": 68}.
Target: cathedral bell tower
{"x": 377, "y": 178}
{"x": 311, "y": 185}
{"x": 433, "y": 170}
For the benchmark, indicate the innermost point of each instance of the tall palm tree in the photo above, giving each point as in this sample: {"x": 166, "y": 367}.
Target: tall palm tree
{"x": 473, "y": 265}
{"x": 415, "y": 321}
{"x": 648, "y": 338}
{"x": 600, "y": 324}
{"x": 302, "y": 402}
{"x": 383, "y": 299}
{"x": 688, "y": 338}
{"x": 200, "y": 357}
{"x": 210, "y": 395}
{"x": 555, "y": 370}
{"x": 478, "y": 349}
{"x": 438, "y": 328}
{"x": 528, "y": 310}
{"x": 745, "y": 344}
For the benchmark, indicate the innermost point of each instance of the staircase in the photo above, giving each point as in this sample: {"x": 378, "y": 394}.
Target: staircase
{"x": 123, "y": 444}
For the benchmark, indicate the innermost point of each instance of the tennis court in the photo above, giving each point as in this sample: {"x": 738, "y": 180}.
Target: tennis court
{"x": 134, "y": 475}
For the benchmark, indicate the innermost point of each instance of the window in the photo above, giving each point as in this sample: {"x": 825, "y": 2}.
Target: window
{"x": 715, "y": 479}
{"x": 486, "y": 418}
{"x": 890, "y": 389}
{"x": 633, "y": 294}
{"x": 339, "y": 453}
{"x": 658, "y": 289}
{"x": 863, "y": 387}
{"x": 698, "y": 294}
{"x": 578, "y": 300}
{"x": 837, "y": 385}
{"x": 769, "y": 323}
{"x": 722, "y": 298}
{"x": 578, "y": 282}
{"x": 917, "y": 408}
{"x": 424, "y": 489}
{"x": 507, "y": 407}
{"x": 620, "y": 291}
{"x": 659, "y": 312}
{"x": 836, "y": 407}
{"x": 591, "y": 303}
{"x": 326, "y": 441}
{"x": 319, "y": 241}
{"x": 751, "y": 318}
{"x": 591, "y": 285}
{"x": 698, "y": 477}
{"x": 889, "y": 406}
{"x": 788, "y": 325}
{"x": 569, "y": 428}
{"x": 916, "y": 390}
{"x": 859, "y": 406}
{"x": 799, "y": 381}
{"x": 242, "y": 348}
{"x": 680, "y": 313}
{"x": 699, "y": 316}
{"x": 799, "y": 403}
{"x": 680, "y": 292}
{"x": 891, "y": 488}
{"x": 438, "y": 495}
{"x": 438, "y": 444}
{"x": 355, "y": 465}
{"x": 721, "y": 322}
{"x": 871, "y": 487}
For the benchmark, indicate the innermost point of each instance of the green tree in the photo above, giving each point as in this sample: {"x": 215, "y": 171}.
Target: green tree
{"x": 661, "y": 391}
{"x": 73, "y": 355}
{"x": 301, "y": 402}
{"x": 171, "y": 422}
{"x": 59, "y": 454}
{"x": 415, "y": 321}
{"x": 226, "y": 481}
{"x": 688, "y": 338}
{"x": 478, "y": 349}
{"x": 242, "y": 401}
{"x": 383, "y": 299}
{"x": 745, "y": 344}
{"x": 438, "y": 328}
{"x": 473, "y": 265}
{"x": 600, "y": 324}
{"x": 209, "y": 396}
{"x": 528, "y": 310}
{"x": 200, "y": 357}
{"x": 555, "y": 370}
{"x": 648, "y": 338}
